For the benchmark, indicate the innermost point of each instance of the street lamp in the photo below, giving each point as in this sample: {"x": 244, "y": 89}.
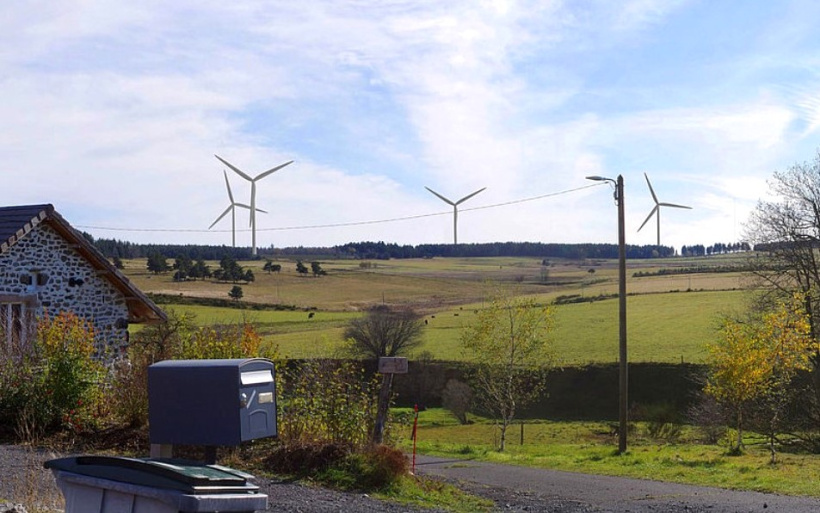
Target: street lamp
{"x": 622, "y": 361}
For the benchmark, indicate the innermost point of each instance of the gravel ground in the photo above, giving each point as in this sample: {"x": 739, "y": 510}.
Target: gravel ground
{"x": 24, "y": 480}
{"x": 513, "y": 489}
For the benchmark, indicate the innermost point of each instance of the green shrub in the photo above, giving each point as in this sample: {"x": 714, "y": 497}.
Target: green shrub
{"x": 54, "y": 382}
{"x": 341, "y": 410}
{"x": 176, "y": 339}
{"x": 662, "y": 421}
{"x": 374, "y": 469}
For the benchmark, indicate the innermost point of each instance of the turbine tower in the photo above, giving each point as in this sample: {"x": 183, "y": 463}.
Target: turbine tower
{"x": 232, "y": 209}
{"x": 657, "y": 209}
{"x": 253, "y": 193}
{"x": 455, "y": 208}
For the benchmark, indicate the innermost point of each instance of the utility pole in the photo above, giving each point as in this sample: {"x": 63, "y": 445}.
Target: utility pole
{"x": 623, "y": 368}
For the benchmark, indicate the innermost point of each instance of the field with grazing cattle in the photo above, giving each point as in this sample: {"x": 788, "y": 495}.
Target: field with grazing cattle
{"x": 674, "y": 304}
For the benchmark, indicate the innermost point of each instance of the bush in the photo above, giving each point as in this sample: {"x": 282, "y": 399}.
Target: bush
{"x": 306, "y": 458}
{"x": 710, "y": 418}
{"x": 457, "y": 398}
{"x": 54, "y": 382}
{"x": 662, "y": 421}
{"x": 176, "y": 339}
{"x": 374, "y": 469}
{"x": 342, "y": 410}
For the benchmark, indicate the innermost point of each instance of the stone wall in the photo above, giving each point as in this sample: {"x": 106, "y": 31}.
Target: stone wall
{"x": 46, "y": 271}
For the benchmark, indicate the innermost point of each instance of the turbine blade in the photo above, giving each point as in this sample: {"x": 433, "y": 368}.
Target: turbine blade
{"x": 273, "y": 170}
{"x": 247, "y": 207}
{"x": 655, "y": 209}
{"x": 673, "y": 205}
{"x": 442, "y": 198}
{"x": 235, "y": 169}
{"x": 228, "y": 185}
{"x": 465, "y": 198}
{"x": 223, "y": 214}
{"x": 651, "y": 190}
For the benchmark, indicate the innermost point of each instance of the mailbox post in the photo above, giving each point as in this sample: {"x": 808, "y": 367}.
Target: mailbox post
{"x": 387, "y": 367}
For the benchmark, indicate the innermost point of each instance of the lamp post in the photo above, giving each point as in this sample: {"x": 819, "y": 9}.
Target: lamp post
{"x": 623, "y": 371}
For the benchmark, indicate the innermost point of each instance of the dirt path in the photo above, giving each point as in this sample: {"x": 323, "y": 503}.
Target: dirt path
{"x": 549, "y": 490}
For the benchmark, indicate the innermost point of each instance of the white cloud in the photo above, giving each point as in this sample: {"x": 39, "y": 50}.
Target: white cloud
{"x": 115, "y": 109}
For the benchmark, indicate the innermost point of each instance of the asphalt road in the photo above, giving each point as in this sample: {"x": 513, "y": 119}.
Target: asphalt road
{"x": 550, "y": 490}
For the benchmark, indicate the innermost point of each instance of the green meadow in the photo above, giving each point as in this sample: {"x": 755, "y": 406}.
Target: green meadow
{"x": 670, "y": 318}
{"x": 590, "y": 447}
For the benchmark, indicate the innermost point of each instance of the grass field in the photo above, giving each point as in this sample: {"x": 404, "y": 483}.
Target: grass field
{"x": 665, "y": 322}
{"x": 590, "y": 447}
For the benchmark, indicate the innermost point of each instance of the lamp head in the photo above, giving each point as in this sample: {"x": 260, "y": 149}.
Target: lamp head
{"x": 599, "y": 179}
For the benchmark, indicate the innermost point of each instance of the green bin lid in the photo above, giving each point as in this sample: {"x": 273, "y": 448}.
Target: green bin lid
{"x": 172, "y": 474}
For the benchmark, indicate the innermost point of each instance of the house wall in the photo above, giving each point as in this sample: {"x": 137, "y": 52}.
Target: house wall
{"x": 72, "y": 285}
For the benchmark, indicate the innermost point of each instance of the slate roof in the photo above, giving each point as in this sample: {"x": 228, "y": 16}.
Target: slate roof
{"x": 17, "y": 222}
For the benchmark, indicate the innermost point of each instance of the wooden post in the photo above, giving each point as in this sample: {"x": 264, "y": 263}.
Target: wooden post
{"x": 388, "y": 367}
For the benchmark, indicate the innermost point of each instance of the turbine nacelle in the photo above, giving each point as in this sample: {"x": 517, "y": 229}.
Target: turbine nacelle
{"x": 455, "y": 208}
{"x": 252, "y": 206}
{"x": 232, "y": 210}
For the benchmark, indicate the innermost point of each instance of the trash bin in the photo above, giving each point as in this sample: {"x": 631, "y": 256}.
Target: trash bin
{"x": 109, "y": 484}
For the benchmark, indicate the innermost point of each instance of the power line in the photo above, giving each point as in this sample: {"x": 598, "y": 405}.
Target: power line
{"x": 340, "y": 225}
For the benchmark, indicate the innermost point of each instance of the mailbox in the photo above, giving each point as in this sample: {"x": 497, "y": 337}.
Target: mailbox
{"x": 211, "y": 402}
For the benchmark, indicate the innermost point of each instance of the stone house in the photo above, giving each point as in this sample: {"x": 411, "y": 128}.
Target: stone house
{"x": 46, "y": 266}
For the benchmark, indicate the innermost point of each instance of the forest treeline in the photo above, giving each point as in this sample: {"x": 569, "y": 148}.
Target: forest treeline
{"x": 383, "y": 251}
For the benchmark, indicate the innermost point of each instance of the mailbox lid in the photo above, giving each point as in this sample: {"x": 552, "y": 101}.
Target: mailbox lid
{"x": 169, "y": 474}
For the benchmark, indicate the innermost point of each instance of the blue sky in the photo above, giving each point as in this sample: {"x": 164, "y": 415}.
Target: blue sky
{"x": 113, "y": 110}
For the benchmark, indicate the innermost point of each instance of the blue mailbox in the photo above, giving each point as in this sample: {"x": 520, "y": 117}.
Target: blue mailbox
{"x": 211, "y": 402}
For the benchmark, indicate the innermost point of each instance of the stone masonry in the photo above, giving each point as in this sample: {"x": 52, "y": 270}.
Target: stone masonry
{"x": 45, "y": 271}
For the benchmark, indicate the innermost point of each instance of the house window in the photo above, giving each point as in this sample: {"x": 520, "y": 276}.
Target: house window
{"x": 14, "y": 324}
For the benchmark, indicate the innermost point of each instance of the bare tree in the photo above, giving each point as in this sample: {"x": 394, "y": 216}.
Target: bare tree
{"x": 384, "y": 331}
{"x": 785, "y": 232}
{"x": 786, "y": 235}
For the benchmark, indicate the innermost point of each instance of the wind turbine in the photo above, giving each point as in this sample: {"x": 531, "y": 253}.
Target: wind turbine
{"x": 232, "y": 209}
{"x": 455, "y": 208}
{"x": 253, "y": 193}
{"x": 657, "y": 209}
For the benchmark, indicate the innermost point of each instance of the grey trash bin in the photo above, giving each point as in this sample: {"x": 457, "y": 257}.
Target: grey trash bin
{"x": 108, "y": 484}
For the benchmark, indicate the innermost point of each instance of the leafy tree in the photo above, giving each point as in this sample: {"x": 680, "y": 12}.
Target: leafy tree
{"x": 507, "y": 342}
{"x": 117, "y": 262}
{"x": 316, "y": 269}
{"x": 248, "y": 276}
{"x": 384, "y": 331}
{"x": 183, "y": 263}
{"x": 200, "y": 270}
{"x": 300, "y": 268}
{"x": 270, "y": 267}
{"x": 157, "y": 263}
{"x": 230, "y": 270}
{"x": 236, "y": 293}
{"x": 757, "y": 360}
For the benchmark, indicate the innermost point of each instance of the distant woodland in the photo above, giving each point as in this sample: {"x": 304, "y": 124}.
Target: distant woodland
{"x": 382, "y": 251}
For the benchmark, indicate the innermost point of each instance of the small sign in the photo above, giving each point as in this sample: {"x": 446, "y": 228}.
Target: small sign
{"x": 392, "y": 365}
